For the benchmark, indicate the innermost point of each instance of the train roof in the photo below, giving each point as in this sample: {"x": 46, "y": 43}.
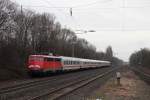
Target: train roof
{"x": 82, "y": 59}
{"x": 47, "y": 56}
{"x": 72, "y": 58}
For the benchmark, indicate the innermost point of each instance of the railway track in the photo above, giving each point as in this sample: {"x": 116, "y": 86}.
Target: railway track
{"x": 143, "y": 75}
{"x": 27, "y": 84}
{"x": 52, "y": 85}
{"x": 21, "y": 85}
{"x": 68, "y": 88}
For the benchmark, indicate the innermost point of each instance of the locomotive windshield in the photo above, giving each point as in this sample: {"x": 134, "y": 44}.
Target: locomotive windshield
{"x": 35, "y": 58}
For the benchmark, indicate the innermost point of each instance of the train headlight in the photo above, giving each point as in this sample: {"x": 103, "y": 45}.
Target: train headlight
{"x": 34, "y": 66}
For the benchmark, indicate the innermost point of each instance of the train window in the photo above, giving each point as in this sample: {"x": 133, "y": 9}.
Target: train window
{"x": 72, "y": 62}
{"x": 64, "y": 62}
{"x": 77, "y": 62}
{"x": 48, "y": 59}
{"x": 68, "y": 62}
{"x": 57, "y": 59}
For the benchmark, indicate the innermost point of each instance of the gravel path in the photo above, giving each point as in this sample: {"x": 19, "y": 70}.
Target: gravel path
{"x": 131, "y": 88}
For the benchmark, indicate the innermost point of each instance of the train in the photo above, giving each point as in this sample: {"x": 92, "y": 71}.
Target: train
{"x": 49, "y": 63}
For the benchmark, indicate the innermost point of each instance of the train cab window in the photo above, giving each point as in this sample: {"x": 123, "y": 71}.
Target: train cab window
{"x": 35, "y": 58}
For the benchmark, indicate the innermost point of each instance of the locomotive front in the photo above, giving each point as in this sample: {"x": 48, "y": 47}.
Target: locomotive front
{"x": 35, "y": 63}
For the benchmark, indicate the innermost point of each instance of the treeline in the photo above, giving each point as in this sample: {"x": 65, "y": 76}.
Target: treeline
{"x": 141, "y": 58}
{"x": 23, "y": 32}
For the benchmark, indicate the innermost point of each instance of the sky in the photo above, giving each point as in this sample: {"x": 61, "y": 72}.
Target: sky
{"x": 122, "y": 24}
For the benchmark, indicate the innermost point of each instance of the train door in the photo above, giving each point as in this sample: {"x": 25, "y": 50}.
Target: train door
{"x": 57, "y": 64}
{"x": 49, "y": 64}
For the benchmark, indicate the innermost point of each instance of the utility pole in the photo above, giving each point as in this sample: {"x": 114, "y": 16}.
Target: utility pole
{"x": 21, "y": 10}
{"x": 73, "y": 46}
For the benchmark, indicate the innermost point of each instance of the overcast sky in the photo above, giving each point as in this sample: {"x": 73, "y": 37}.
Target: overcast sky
{"x": 123, "y": 24}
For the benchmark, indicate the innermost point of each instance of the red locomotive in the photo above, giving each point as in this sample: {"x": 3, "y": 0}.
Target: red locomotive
{"x": 47, "y": 63}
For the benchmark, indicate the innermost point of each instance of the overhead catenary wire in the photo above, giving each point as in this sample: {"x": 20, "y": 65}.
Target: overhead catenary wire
{"x": 86, "y": 5}
{"x": 71, "y": 13}
{"x": 59, "y": 8}
{"x": 85, "y": 10}
{"x": 74, "y": 6}
{"x": 90, "y": 4}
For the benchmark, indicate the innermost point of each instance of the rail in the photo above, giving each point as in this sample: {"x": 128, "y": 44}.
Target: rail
{"x": 64, "y": 90}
